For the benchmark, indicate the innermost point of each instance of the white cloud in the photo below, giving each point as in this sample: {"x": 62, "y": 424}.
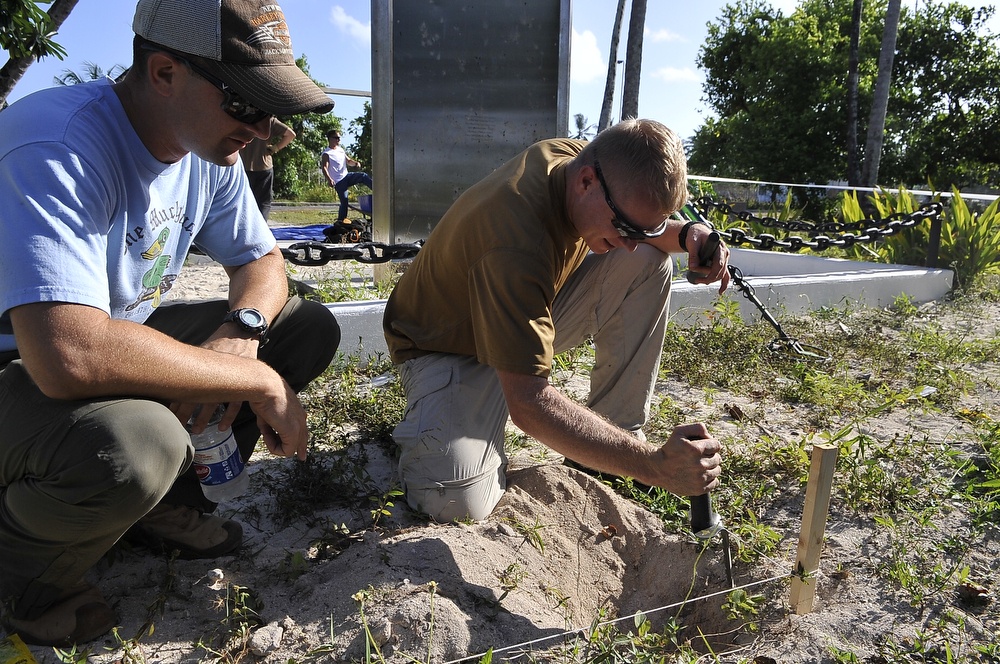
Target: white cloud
{"x": 587, "y": 62}
{"x": 663, "y": 35}
{"x": 675, "y": 75}
{"x": 358, "y": 31}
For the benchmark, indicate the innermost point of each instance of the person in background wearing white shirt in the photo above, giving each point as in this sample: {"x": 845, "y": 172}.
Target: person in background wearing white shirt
{"x": 335, "y": 162}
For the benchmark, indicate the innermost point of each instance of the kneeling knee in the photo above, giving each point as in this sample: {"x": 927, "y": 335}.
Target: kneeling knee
{"x": 458, "y": 501}
{"x": 151, "y": 448}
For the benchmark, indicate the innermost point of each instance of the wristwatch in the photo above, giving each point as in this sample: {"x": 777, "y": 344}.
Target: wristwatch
{"x": 250, "y": 321}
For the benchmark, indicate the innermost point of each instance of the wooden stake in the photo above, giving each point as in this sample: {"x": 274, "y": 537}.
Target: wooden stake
{"x": 818, "y": 490}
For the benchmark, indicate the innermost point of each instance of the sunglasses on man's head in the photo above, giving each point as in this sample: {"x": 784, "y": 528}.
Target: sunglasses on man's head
{"x": 233, "y": 104}
{"x": 625, "y": 227}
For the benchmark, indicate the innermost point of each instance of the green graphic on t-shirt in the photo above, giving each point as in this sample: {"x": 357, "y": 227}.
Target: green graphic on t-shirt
{"x": 155, "y": 283}
{"x": 156, "y": 248}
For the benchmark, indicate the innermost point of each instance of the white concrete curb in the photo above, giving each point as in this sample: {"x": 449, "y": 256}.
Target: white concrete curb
{"x": 785, "y": 283}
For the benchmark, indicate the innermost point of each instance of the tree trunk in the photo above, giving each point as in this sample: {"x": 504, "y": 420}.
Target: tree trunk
{"x": 880, "y": 102}
{"x": 14, "y": 69}
{"x": 609, "y": 85}
{"x": 633, "y": 60}
{"x": 853, "y": 160}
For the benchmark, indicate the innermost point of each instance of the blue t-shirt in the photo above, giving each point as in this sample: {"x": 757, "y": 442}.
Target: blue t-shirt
{"x": 88, "y": 216}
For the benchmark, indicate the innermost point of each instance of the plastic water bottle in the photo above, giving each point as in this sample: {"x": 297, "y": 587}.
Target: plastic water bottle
{"x": 218, "y": 461}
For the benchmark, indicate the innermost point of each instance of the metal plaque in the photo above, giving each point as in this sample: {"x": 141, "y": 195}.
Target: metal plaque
{"x": 459, "y": 87}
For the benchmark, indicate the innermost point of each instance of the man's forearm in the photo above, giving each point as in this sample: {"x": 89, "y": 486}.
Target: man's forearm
{"x": 687, "y": 463}
{"x": 573, "y": 430}
{"x": 668, "y": 242}
{"x": 77, "y": 352}
{"x": 261, "y": 284}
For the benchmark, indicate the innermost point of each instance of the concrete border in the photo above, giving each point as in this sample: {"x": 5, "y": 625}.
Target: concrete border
{"x": 784, "y": 283}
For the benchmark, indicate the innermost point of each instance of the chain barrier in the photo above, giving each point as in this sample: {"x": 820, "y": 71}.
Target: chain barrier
{"x": 872, "y": 230}
{"x": 784, "y": 344}
{"x": 821, "y": 237}
{"x": 317, "y": 253}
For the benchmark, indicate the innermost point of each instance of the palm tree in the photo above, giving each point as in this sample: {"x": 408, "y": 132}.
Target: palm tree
{"x": 609, "y": 85}
{"x": 92, "y": 72}
{"x": 880, "y": 102}
{"x": 633, "y": 59}
{"x": 853, "y": 162}
{"x": 583, "y": 130}
{"x": 15, "y": 67}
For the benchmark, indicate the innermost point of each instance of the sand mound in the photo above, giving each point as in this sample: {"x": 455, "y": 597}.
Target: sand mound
{"x": 560, "y": 549}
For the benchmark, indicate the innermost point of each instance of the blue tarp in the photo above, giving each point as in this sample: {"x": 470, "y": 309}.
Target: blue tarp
{"x": 300, "y": 233}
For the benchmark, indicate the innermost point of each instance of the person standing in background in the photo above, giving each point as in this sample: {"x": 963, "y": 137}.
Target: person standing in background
{"x": 334, "y": 163}
{"x": 258, "y": 162}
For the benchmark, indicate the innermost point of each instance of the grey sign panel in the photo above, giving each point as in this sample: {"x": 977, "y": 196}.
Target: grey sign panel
{"x": 470, "y": 84}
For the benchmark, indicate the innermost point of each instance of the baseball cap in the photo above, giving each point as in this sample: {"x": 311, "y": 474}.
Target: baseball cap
{"x": 243, "y": 42}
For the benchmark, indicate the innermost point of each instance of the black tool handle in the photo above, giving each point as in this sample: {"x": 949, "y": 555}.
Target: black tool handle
{"x": 703, "y": 517}
{"x": 705, "y": 253}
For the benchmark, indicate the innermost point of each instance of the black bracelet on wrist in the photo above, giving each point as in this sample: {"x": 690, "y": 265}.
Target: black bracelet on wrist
{"x": 682, "y": 236}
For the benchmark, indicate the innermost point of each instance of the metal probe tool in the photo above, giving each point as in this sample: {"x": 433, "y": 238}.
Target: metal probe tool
{"x": 705, "y": 523}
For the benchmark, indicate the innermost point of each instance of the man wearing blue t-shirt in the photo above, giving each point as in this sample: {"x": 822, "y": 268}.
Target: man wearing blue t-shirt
{"x": 106, "y": 187}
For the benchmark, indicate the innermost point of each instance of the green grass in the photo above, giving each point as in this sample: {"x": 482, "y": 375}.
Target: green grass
{"x": 925, "y": 502}
{"x": 308, "y": 214}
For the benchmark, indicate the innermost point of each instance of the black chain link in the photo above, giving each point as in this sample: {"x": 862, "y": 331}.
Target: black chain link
{"x": 317, "y": 253}
{"x": 872, "y": 230}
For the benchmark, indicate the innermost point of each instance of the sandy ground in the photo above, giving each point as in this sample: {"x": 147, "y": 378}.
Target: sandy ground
{"x": 560, "y": 554}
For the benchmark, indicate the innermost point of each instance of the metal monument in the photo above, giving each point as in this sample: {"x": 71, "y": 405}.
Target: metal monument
{"x": 459, "y": 87}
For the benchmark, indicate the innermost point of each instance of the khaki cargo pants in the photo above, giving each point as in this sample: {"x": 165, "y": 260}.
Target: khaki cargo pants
{"x": 452, "y": 461}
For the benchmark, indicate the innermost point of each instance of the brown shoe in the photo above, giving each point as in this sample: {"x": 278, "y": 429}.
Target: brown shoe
{"x": 82, "y": 616}
{"x": 188, "y": 531}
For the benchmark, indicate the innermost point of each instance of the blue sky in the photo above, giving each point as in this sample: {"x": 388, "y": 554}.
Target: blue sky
{"x": 335, "y": 36}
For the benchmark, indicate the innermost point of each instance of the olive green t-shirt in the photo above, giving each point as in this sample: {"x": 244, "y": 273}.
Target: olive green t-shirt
{"x": 484, "y": 282}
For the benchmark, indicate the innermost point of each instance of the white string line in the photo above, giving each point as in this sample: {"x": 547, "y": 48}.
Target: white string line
{"x": 611, "y": 622}
{"x": 920, "y": 192}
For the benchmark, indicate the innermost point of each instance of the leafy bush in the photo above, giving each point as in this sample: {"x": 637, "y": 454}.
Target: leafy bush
{"x": 970, "y": 241}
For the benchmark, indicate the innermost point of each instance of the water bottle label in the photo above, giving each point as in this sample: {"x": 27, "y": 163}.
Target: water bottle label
{"x": 219, "y": 463}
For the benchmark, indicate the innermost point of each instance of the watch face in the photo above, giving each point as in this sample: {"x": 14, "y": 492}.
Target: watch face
{"x": 252, "y": 319}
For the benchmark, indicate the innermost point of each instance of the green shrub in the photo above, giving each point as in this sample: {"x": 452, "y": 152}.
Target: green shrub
{"x": 970, "y": 241}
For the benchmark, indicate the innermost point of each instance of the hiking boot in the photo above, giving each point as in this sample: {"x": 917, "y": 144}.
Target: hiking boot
{"x": 83, "y": 615}
{"x": 188, "y": 531}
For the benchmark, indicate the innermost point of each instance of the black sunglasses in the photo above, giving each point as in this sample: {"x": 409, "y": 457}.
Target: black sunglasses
{"x": 234, "y": 105}
{"x": 625, "y": 227}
